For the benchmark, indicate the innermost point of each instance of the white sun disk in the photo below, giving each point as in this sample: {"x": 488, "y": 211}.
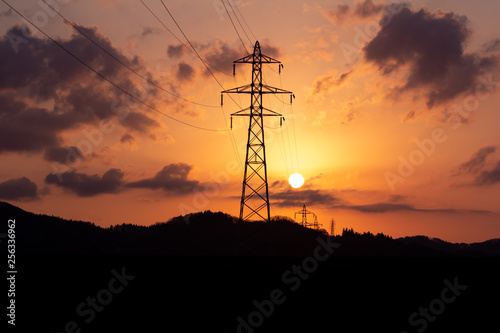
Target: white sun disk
{"x": 296, "y": 180}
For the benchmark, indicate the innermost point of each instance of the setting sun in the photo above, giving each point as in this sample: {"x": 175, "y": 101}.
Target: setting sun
{"x": 296, "y": 180}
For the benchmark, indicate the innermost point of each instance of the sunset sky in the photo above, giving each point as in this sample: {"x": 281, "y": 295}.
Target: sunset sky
{"x": 395, "y": 124}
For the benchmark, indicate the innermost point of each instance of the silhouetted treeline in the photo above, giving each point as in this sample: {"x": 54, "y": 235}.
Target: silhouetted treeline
{"x": 209, "y": 233}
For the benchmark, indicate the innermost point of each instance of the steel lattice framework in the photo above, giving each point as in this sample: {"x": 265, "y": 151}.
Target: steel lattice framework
{"x": 304, "y": 212}
{"x": 255, "y": 192}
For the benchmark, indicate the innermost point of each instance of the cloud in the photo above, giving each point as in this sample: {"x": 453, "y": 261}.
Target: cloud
{"x": 387, "y": 207}
{"x": 362, "y": 10}
{"x": 34, "y": 70}
{"x": 339, "y": 14}
{"x": 18, "y": 189}
{"x": 489, "y": 177}
{"x": 491, "y": 46}
{"x": 65, "y": 155}
{"x": 367, "y": 8}
{"x": 409, "y": 116}
{"x": 127, "y": 138}
{"x": 185, "y": 72}
{"x": 431, "y": 45}
{"x": 173, "y": 179}
{"x": 282, "y": 195}
{"x": 85, "y": 185}
{"x": 477, "y": 160}
{"x": 269, "y": 50}
{"x": 138, "y": 122}
{"x": 149, "y": 31}
{"x": 221, "y": 55}
{"x": 175, "y": 51}
{"x": 324, "y": 83}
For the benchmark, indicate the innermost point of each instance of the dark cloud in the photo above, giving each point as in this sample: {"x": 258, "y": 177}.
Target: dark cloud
{"x": 269, "y": 50}
{"x": 173, "y": 179}
{"x": 339, "y": 14}
{"x": 326, "y": 82}
{"x": 18, "y": 189}
{"x": 492, "y": 46}
{"x": 184, "y": 72}
{"x": 35, "y": 70}
{"x": 127, "y": 138}
{"x": 381, "y": 207}
{"x": 367, "y": 8}
{"x": 489, "y": 177}
{"x": 139, "y": 122}
{"x": 282, "y": 195}
{"x": 65, "y": 155}
{"x": 175, "y": 51}
{"x": 362, "y": 10}
{"x": 432, "y": 46}
{"x": 221, "y": 55}
{"x": 477, "y": 160}
{"x": 149, "y": 31}
{"x": 387, "y": 207}
{"x": 85, "y": 185}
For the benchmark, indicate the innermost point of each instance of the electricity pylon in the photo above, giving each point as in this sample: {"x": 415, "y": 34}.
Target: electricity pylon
{"x": 304, "y": 212}
{"x": 255, "y": 192}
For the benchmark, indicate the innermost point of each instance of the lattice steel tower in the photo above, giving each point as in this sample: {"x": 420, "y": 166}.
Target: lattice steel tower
{"x": 255, "y": 192}
{"x": 304, "y": 212}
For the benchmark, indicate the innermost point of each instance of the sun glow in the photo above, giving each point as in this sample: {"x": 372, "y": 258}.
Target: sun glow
{"x": 296, "y": 180}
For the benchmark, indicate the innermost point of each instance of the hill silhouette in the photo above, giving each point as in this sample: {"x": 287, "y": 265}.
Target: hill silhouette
{"x": 183, "y": 274}
{"x": 216, "y": 234}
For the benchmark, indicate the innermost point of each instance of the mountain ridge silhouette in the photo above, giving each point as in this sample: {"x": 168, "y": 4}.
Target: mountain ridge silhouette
{"x": 215, "y": 233}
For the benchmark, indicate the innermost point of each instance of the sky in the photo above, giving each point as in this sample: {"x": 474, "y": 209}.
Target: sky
{"x": 108, "y": 115}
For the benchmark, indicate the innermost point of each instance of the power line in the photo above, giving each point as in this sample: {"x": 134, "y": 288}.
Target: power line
{"x": 241, "y": 40}
{"x": 231, "y": 136}
{"x": 194, "y": 49}
{"x": 170, "y": 31}
{"x": 245, "y": 21}
{"x": 122, "y": 63}
{"x": 237, "y": 19}
{"x": 108, "y": 80}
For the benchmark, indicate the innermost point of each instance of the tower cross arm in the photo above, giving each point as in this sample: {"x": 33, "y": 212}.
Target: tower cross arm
{"x": 273, "y": 90}
{"x": 251, "y": 58}
{"x": 265, "y": 113}
{"x": 246, "y": 89}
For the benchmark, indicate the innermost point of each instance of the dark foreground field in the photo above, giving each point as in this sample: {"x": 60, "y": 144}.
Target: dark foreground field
{"x": 186, "y": 277}
{"x": 270, "y": 294}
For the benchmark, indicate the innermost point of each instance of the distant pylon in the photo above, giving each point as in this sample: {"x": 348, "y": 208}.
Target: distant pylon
{"x": 332, "y": 228}
{"x": 304, "y": 212}
{"x": 255, "y": 191}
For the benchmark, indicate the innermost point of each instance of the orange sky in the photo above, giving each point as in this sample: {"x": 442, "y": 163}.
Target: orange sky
{"x": 394, "y": 125}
